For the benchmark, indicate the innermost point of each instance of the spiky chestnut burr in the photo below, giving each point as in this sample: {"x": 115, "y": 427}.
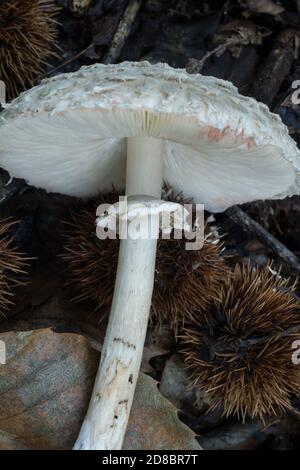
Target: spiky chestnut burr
{"x": 12, "y": 264}
{"x": 184, "y": 280}
{"x": 240, "y": 351}
{"x": 28, "y": 31}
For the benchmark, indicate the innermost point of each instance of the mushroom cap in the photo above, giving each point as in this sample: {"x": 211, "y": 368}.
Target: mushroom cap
{"x": 68, "y": 135}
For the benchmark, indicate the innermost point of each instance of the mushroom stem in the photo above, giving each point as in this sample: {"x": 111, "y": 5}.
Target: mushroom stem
{"x": 105, "y": 424}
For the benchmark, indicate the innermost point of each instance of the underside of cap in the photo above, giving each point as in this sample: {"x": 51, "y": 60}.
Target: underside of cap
{"x": 69, "y": 135}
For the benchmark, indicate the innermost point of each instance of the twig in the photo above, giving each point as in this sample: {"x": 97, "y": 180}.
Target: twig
{"x": 196, "y": 65}
{"x": 122, "y": 32}
{"x": 225, "y": 346}
{"x": 117, "y": 44}
{"x": 275, "y": 68}
{"x": 67, "y": 62}
{"x": 240, "y": 217}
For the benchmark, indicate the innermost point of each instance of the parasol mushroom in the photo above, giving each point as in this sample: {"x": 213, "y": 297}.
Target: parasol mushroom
{"x": 77, "y": 133}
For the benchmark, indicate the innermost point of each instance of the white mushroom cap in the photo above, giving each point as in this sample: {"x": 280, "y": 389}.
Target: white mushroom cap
{"x": 68, "y": 135}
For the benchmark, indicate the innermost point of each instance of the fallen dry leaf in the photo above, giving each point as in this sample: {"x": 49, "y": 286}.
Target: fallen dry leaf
{"x": 9, "y": 442}
{"x": 45, "y": 387}
{"x": 265, "y": 6}
{"x": 154, "y": 423}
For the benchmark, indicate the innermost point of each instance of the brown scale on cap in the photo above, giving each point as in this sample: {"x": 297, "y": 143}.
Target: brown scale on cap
{"x": 27, "y": 34}
{"x": 184, "y": 280}
{"x": 240, "y": 351}
{"x": 12, "y": 264}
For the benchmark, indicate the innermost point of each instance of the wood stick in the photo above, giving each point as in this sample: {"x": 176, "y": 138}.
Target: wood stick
{"x": 243, "y": 219}
{"x": 123, "y": 32}
{"x": 275, "y": 68}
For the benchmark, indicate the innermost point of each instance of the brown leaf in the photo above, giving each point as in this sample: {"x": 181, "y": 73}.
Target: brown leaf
{"x": 154, "y": 423}
{"x": 9, "y": 442}
{"x": 45, "y": 387}
{"x": 265, "y": 6}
